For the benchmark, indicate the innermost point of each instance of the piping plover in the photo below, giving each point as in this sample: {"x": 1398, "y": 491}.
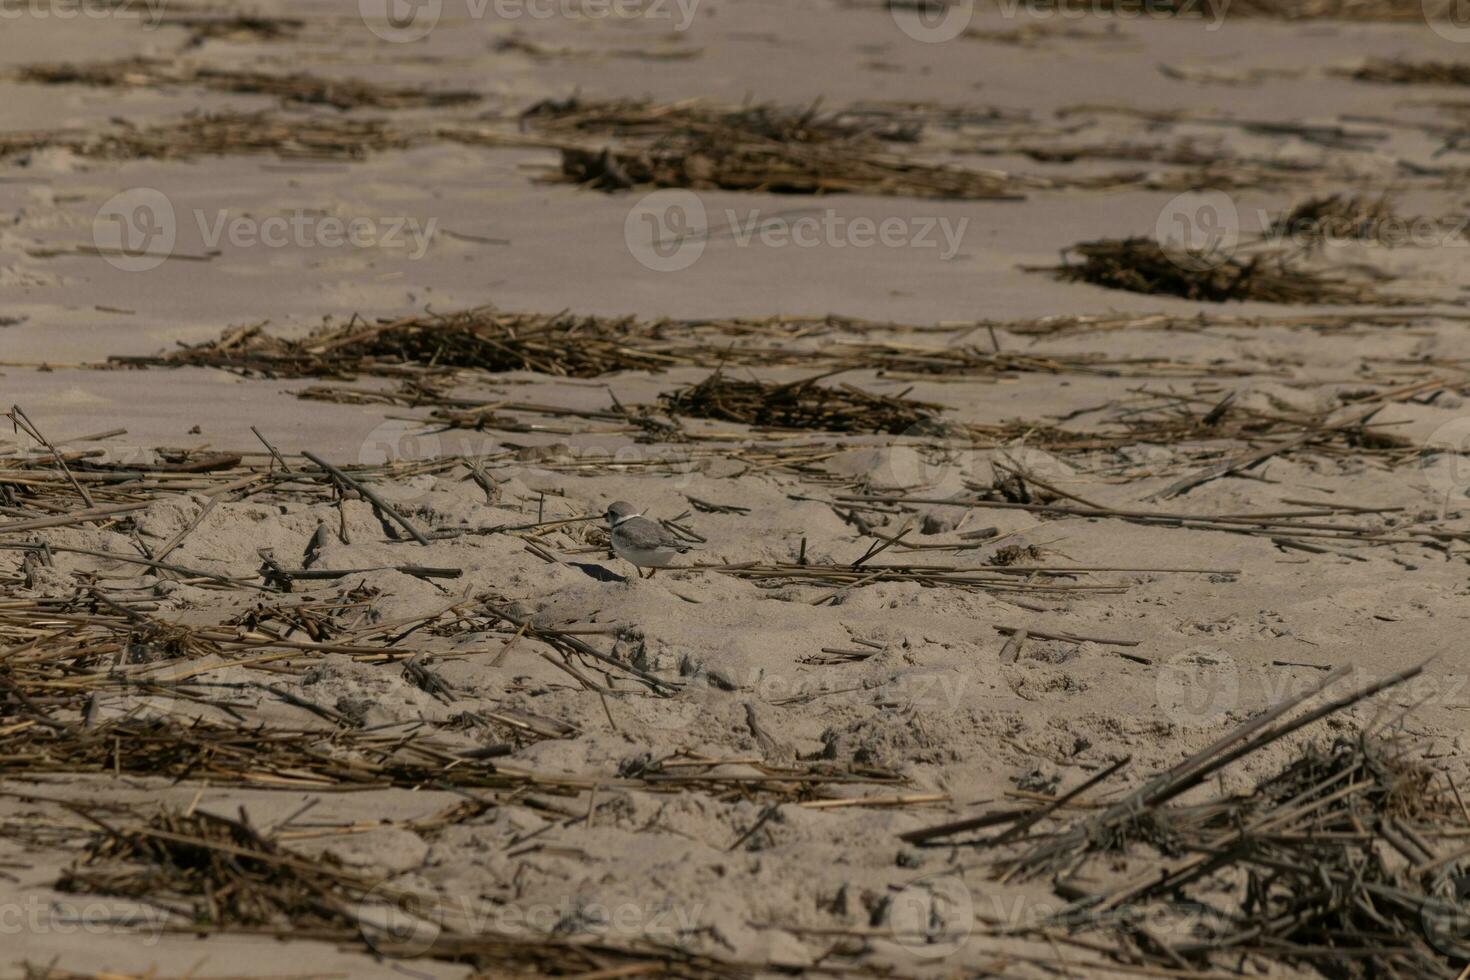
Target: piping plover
{"x": 639, "y": 541}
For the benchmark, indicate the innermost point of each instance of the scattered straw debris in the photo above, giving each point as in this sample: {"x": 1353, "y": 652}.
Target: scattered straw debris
{"x": 220, "y": 134}
{"x": 298, "y": 87}
{"x": 1343, "y": 861}
{"x": 208, "y": 873}
{"x": 483, "y": 339}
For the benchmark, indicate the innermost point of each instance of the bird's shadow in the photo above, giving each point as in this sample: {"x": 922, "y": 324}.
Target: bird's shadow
{"x": 599, "y": 572}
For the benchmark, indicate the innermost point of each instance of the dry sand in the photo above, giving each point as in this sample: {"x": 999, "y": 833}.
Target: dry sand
{"x": 1247, "y": 621}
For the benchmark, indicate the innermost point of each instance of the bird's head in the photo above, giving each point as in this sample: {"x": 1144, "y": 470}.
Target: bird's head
{"x": 619, "y": 511}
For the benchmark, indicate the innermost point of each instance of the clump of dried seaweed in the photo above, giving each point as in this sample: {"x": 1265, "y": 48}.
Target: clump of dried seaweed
{"x": 635, "y": 118}
{"x": 1143, "y": 265}
{"x": 756, "y": 148}
{"x": 220, "y": 134}
{"x": 344, "y": 94}
{"x": 797, "y": 405}
{"x": 236, "y": 27}
{"x": 1402, "y": 72}
{"x": 483, "y": 339}
{"x": 707, "y": 161}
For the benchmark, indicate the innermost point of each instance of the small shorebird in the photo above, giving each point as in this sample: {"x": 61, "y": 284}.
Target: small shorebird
{"x": 639, "y": 541}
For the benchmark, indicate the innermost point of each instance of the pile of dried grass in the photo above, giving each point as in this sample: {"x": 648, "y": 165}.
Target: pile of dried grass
{"x": 222, "y": 871}
{"x": 635, "y": 118}
{"x": 1345, "y": 862}
{"x": 797, "y": 405}
{"x": 692, "y": 144}
{"x": 1142, "y": 265}
{"x": 298, "y": 87}
{"x": 1401, "y": 72}
{"x": 708, "y": 162}
{"x": 220, "y": 134}
{"x": 481, "y": 339}
{"x": 231, "y": 754}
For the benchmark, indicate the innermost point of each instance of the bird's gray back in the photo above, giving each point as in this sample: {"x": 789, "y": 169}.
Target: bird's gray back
{"x": 641, "y": 533}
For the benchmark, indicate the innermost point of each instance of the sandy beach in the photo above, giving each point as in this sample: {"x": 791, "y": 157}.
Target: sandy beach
{"x": 1064, "y": 407}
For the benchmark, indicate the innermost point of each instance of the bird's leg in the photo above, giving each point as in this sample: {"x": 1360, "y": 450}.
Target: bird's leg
{"x": 652, "y": 572}
{"x": 638, "y": 570}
